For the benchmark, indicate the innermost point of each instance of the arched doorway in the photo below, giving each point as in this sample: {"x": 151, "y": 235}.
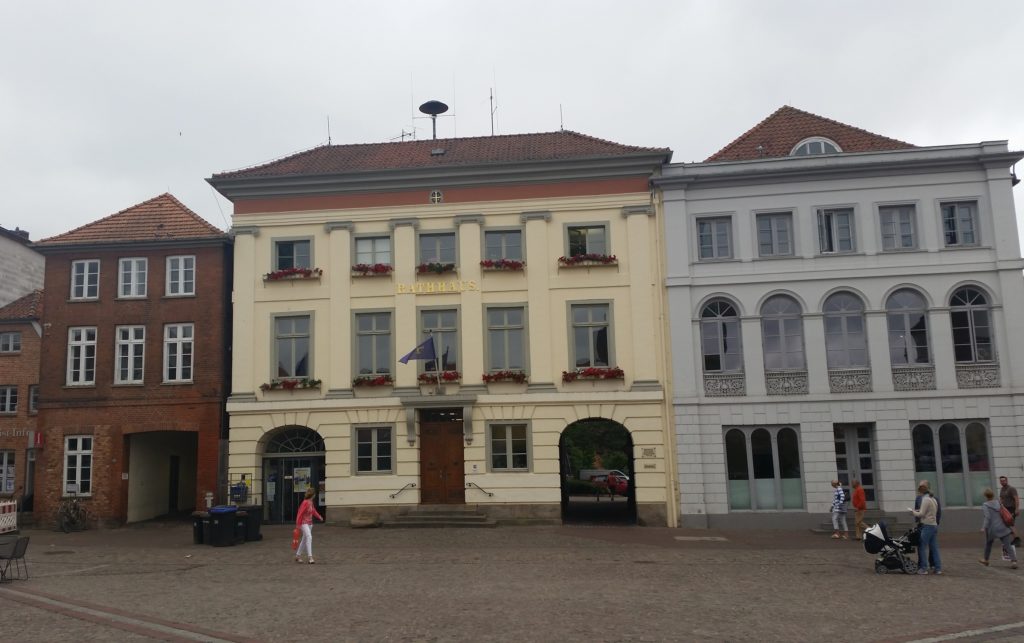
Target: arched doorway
{"x": 293, "y": 460}
{"x": 596, "y": 465}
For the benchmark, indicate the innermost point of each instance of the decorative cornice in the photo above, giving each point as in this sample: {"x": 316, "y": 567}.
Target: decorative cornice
{"x": 338, "y": 225}
{"x": 541, "y": 387}
{"x": 469, "y": 218}
{"x": 241, "y": 397}
{"x": 244, "y": 229}
{"x": 394, "y": 223}
{"x": 630, "y": 210}
{"x": 646, "y": 385}
{"x": 538, "y": 215}
{"x": 339, "y": 394}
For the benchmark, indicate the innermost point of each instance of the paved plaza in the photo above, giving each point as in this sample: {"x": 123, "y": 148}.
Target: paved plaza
{"x": 580, "y": 583}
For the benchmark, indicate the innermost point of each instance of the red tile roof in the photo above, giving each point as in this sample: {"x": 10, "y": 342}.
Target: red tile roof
{"x": 369, "y": 157}
{"x": 158, "y": 219}
{"x": 28, "y": 307}
{"x": 778, "y": 134}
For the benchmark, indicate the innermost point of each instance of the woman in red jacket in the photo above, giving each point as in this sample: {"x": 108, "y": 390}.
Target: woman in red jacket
{"x": 860, "y": 505}
{"x": 304, "y": 521}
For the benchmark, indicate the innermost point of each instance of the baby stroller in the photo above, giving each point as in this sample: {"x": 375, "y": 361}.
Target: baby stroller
{"x": 893, "y": 553}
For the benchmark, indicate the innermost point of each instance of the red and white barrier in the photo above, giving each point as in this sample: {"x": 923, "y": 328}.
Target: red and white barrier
{"x": 8, "y": 516}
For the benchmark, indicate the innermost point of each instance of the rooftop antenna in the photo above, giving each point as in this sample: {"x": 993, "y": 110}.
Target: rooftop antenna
{"x": 493, "y": 108}
{"x": 433, "y": 108}
{"x": 561, "y": 121}
{"x": 328, "y": 129}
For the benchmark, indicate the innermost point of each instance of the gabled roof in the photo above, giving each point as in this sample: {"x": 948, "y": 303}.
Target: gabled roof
{"x": 481, "y": 150}
{"x": 162, "y": 218}
{"x": 28, "y": 307}
{"x": 779, "y": 133}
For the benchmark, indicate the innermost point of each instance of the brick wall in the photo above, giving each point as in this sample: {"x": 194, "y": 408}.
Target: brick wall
{"x": 19, "y": 369}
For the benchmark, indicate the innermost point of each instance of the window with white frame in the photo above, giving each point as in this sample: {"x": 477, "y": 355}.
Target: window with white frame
{"x": 7, "y": 471}
{"x": 437, "y": 247}
{"x": 591, "y": 330}
{"x": 846, "y": 342}
{"x": 775, "y": 234}
{"x": 506, "y": 337}
{"x": 130, "y": 347}
{"x": 10, "y": 342}
{"x": 714, "y": 237}
{"x": 78, "y": 464}
{"x": 960, "y": 223}
{"x": 81, "y": 369}
{"x": 503, "y": 244}
{"x": 181, "y": 276}
{"x": 9, "y": 399}
{"x": 954, "y": 457}
{"x": 371, "y": 251}
{"x": 721, "y": 346}
{"x": 292, "y": 342}
{"x": 85, "y": 279}
{"x": 906, "y": 314}
{"x": 898, "y": 225}
{"x": 292, "y": 254}
{"x": 815, "y": 145}
{"x": 835, "y": 230}
{"x": 374, "y": 449}
{"x": 178, "y": 352}
{"x": 443, "y": 324}
{"x": 33, "y": 398}
{"x": 763, "y": 465}
{"x": 587, "y": 240}
{"x": 509, "y": 447}
{"x": 373, "y": 343}
{"x": 782, "y": 333}
{"x": 971, "y": 318}
{"x": 131, "y": 277}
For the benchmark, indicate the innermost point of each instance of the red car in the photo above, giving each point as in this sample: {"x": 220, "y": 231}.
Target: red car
{"x": 616, "y": 484}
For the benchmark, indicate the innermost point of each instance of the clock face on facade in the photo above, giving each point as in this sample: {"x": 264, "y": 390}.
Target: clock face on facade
{"x": 436, "y": 196}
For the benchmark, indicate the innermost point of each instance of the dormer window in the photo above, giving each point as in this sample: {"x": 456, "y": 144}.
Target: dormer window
{"x": 816, "y": 145}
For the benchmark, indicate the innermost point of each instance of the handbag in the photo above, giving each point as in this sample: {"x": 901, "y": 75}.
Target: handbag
{"x": 1005, "y": 514}
{"x": 296, "y": 535}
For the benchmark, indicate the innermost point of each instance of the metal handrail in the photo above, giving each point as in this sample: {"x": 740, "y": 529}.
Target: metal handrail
{"x": 473, "y": 484}
{"x": 411, "y": 485}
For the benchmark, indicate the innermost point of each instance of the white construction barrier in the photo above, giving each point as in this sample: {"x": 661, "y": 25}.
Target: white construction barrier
{"x": 8, "y": 516}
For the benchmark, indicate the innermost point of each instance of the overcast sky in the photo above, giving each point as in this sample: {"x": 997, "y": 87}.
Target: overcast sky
{"x": 106, "y": 104}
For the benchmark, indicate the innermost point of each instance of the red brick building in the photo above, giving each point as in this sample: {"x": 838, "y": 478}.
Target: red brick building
{"x": 134, "y": 363}
{"x": 20, "y": 333}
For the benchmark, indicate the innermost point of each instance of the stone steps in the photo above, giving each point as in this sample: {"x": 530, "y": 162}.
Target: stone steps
{"x": 440, "y": 517}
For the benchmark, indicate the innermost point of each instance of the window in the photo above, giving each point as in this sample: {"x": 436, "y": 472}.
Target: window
{"x": 181, "y": 276}
{"x": 720, "y": 338}
{"x": 775, "y": 234}
{"x": 972, "y": 326}
{"x": 131, "y": 277}
{"x": 8, "y": 399}
{"x": 714, "y": 238}
{"x": 897, "y": 223}
{"x": 10, "y": 342}
{"x": 178, "y": 340}
{"x": 782, "y": 332}
{"x": 846, "y": 342}
{"x": 503, "y": 244}
{"x": 509, "y": 449}
{"x": 444, "y": 326}
{"x": 131, "y": 343}
{"x": 835, "y": 230}
{"x": 373, "y": 343}
{"x": 81, "y": 356}
{"x": 960, "y": 223}
{"x": 33, "y": 398}
{"x": 78, "y": 464}
{"x": 587, "y": 240}
{"x": 506, "y": 349}
{"x": 85, "y": 279}
{"x": 373, "y": 449}
{"x": 292, "y": 254}
{"x": 907, "y": 316}
{"x": 6, "y": 471}
{"x": 437, "y": 247}
{"x": 954, "y": 458}
{"x": 763, "y": 467}
{"x": 373, "y": 250}
{"x": 590, "y": 329}
{"x": 815, "y": 146}
{"x": 291, "y": 346}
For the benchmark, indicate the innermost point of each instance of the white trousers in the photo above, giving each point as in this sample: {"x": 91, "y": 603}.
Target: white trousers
{"x": 306, "y": 543}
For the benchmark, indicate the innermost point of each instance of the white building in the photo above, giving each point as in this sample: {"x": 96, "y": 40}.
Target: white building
{"x": 21, "y": 266}
{"x": 842, "y": 305}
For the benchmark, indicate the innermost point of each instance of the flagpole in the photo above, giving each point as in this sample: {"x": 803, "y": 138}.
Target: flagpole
{"x": 437, "y": 362}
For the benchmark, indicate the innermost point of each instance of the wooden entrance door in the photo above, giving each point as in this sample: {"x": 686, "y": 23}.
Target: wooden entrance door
{"x": 442, "y": 473}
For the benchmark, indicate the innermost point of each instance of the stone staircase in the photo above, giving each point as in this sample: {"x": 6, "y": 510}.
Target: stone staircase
{"x": 438, "y": 516}
{"x": 895, "y": 524}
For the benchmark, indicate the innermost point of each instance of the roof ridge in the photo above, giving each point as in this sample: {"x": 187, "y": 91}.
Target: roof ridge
{"x": 33, "y": 309}
{"x": 166, "y": 196}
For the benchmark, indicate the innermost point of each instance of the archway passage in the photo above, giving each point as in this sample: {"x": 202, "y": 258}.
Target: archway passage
{"x": 293, "y": 460}
{"x": 598, "y": 485}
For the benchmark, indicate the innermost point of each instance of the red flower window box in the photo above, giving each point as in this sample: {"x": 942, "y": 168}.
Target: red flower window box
{"x": 372, "y": 270}
{"x": 589, "y": 259}
{"x": 509, "y": 265}
{"x": 447, "y": 377}
{"x": 594, "y": 373}
{"x": 373, "y": 380}
{"x": 517, "y": 377}
{"x": 293, "y": 273}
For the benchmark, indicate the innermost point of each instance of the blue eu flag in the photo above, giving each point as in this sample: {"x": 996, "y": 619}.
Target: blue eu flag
{"x": 423, "y": 351}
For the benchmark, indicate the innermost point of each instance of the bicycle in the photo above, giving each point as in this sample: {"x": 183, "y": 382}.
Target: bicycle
{"x": 72, "y": 515}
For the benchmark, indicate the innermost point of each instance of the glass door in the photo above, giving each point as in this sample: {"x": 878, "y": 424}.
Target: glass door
{"x": 855, "y": 459}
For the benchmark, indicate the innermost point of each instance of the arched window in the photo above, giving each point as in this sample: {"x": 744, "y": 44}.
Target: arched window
{"x": 738, "y": 470}
{"x": 954, "y": 458}
{"x": 782, "y": 334}
{"x": 907, "y": 317}
{"x": 971, "y": 319}
{"x": 296, "y": 439}
{"x": 816, "y": 145}
{"x": 846, "y": 344}
{"x": 977, "y": 461}
{"x": 770, "y": 477}
{"x": 720, "y": 338}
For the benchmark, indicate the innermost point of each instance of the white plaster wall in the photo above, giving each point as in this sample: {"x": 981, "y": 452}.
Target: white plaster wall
{"x": 21, "y": 270}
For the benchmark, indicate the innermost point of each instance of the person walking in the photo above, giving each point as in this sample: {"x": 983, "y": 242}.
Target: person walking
{"x": 860, "y": 505}
{"x": 838, "y": 510}
{"x": 993, "y": 527}
{"x": 304, "y": 521}
{"x": 1009, "y": 498}
{"x": 927, "y": 515}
